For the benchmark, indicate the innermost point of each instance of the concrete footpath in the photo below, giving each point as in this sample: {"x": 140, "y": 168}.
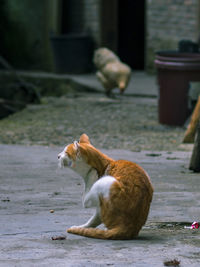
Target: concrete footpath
{"x": 31, "y": 186}
{"x": 140, "y": 84}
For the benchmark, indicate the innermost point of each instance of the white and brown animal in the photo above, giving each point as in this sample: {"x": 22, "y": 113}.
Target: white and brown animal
{"x": 112, "y": 73}
{"x": 120, "y": 191}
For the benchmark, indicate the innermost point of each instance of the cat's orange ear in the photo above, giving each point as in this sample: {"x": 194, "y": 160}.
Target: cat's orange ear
{"x": 84, "y": 139}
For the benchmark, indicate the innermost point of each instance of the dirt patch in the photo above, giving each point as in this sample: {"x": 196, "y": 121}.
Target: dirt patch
{"x": 124, "y": 122}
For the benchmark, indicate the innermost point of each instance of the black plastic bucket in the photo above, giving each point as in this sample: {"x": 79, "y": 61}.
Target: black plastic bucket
{"x": 72, "y": 53}
{"x": 175, "y": 70}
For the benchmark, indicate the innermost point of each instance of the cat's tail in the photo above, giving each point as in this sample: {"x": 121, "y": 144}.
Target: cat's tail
{"x": 113, "y": 234}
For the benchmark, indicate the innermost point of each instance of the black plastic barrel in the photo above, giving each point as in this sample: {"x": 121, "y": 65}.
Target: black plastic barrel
{"x": 72, "y": 53}
{"x": 175, "y": 71}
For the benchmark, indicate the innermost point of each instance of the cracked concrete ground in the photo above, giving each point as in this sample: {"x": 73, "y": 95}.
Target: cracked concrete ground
{"x": 32, "y": 185}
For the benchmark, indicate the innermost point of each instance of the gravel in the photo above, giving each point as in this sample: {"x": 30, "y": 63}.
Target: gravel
{"x": 123, "y": 122}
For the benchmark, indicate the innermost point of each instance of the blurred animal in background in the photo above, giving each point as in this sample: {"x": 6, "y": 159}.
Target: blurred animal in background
{"x": 111, "y": 72}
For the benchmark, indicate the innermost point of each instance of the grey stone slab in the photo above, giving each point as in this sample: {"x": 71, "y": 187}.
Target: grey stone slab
{"x": 31, "y": 185}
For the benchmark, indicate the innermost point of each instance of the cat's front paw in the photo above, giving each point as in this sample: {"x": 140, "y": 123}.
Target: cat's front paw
{"x": 73, "y": 229}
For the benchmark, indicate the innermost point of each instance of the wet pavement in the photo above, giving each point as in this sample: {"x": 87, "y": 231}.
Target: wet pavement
{"x": 39, "y": 201}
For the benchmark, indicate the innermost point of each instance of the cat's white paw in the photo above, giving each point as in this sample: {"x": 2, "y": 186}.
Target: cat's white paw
{"x": 74, "y": 226}
{"x": 71, "y": 229}
{"x": 78, "y": 226}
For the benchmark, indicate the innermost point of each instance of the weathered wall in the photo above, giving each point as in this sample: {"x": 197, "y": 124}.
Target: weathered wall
{"x": 169, "y": 21}
{"x": 84, "y": 16}
{"x": 92, "y": 19}
{"x": 25, "y": 28}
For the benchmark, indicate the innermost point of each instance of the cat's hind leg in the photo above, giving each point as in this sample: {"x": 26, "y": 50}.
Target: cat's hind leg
{"x": 93, "y": 222}
{"x": 101, "y": 188}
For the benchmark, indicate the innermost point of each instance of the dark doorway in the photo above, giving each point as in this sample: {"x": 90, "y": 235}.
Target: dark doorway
{"x": 72, "y": 16}
{"x": 131, "y": 32}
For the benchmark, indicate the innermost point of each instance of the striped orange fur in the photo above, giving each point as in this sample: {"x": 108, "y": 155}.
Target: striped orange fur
{"x": 120, "y": 190}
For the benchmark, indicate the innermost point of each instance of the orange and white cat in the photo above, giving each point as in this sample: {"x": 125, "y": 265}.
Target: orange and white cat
{"x": 120, "y": 191}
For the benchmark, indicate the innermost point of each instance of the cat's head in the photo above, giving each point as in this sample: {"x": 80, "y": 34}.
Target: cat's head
{"x": 82, "y": 156}
{"x": 72, "y": 152}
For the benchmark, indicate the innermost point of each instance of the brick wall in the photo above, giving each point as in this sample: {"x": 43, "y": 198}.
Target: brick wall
{"x": 92, "y": 19}
{"x": 84, "y": 16}
{"x": 169, "y": 21}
